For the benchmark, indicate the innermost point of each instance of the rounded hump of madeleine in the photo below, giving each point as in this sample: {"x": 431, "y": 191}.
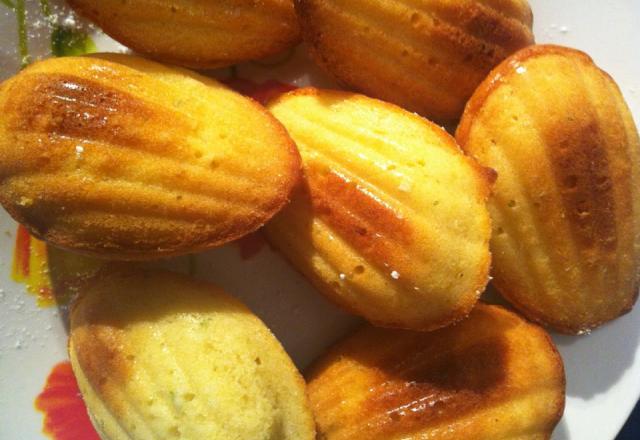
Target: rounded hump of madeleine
{"x": 427, "y": 57}
{"x": 566, "y": 205}
{"x": 492, "y": 376}
{"x": 120, "y": 157}
{"x": 390, "y": 221}
{"x": 197, "y": 33}
{"x": 158, "y": 355}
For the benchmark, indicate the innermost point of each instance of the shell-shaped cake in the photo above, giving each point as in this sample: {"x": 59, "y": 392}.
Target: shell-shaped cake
{"x": 391, "y": 219}
{"x": 158, "y": 356}
{"x": 492, "y": 376}
{"x": 427, "y": 56}
{"x": 197, "y": 33}
{"x": 566, "y": 206}
{"x": 122, "y": 157}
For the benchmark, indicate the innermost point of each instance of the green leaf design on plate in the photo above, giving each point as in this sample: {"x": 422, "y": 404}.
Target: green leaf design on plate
{"x": 23, "y": 48}
{"x": 68, "y": 42}
{"x": 8, "y": 4}
{"x": 46, "y": 9}
{"x": 65, "y": 41}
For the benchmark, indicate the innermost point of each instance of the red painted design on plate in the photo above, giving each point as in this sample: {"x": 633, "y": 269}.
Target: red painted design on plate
{"x": 65, "y": 415}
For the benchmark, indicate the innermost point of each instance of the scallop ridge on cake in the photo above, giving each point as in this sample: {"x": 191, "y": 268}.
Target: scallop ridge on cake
{"x": 198, "y": 34}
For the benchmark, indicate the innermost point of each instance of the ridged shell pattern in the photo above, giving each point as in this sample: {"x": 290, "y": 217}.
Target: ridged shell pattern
{"x": 491, "y": 377}
{"x": 391, "y": 221}
{"x": 197, "y": 33}
{"x": 566, "y": 207}
{"x": 426, "y": 55}
{"x": 122, "y": 157}
{"x": 160, "y": 356}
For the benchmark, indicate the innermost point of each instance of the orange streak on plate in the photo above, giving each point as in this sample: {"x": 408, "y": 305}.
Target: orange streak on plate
{"x": 65, "y": 415}
{"x": 30, "y": 267}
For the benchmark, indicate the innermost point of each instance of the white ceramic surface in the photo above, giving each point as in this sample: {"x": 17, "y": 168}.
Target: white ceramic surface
{"x": 603, "y": 368}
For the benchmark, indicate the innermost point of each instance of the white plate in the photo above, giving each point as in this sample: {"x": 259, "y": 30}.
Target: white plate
{"x": 603, "y": 369}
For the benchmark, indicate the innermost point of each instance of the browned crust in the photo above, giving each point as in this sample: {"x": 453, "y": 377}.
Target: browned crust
{"x": 495, "y": 79}
{"x": 354, "y": 214}
{"x": 217, "y": 58}
{"x": 129, "y": 245}
{"x": 98, "y": 348}
{"x": 486, "y": 178}
{"x": 346, "y": 348}
{"x": 493, "y": 82}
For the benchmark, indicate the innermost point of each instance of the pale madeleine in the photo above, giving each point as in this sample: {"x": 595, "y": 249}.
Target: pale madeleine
{"x": 158, "y": 356}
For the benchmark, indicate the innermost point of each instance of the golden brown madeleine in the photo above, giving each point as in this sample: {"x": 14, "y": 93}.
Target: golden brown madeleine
{"x": 427, "y": 56}
{"x": 158, "y": 355}
{"x": 492, "y": 376}
{"x": 391, "y": 221}
{"x": 125, "y": 158}
{"x": 566, "y": 208}
{"x": 197, "y": 33}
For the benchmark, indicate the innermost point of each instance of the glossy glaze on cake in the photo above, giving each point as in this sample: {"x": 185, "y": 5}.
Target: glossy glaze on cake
{"x": 390, "y": 221}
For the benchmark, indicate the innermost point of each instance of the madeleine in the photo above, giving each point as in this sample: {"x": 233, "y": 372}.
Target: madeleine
{"x": 566, "y": 207}
{"x": 197, "y": 33}
{"x": 493, "y": 376}
{"x": 158, "y": 355}
{"x": 427, "y": 56}
{"x": 124, "y": 158}
{"x": 391, "y": 221}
